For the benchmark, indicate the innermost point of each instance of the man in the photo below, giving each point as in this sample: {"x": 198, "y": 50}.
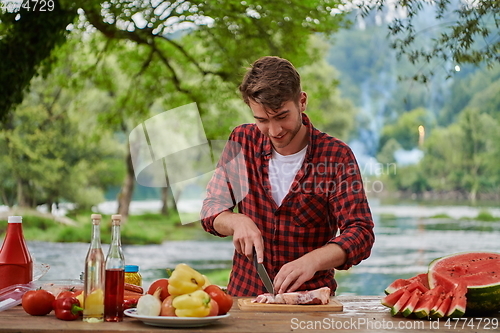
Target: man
{"x": 300, "y": 187}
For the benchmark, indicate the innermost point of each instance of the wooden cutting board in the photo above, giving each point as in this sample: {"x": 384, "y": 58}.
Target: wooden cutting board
{"x": 245, "y": 304}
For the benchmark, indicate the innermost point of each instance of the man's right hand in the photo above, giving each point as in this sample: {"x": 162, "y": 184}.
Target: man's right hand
{"x": 246, "y": 235}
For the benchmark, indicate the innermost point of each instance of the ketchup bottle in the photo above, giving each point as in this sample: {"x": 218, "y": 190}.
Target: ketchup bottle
{"x": 16, "y": 264}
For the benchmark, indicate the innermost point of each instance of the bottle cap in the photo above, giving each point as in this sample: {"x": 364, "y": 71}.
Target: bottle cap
{"x": 131, "y": 268}
{"x": 95, "y": 216}
{"x": 15, "y": 219}
{"x": 116, "y": 219}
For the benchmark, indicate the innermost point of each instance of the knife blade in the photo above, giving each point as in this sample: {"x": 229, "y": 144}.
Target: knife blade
{"x": 261, "y": 270}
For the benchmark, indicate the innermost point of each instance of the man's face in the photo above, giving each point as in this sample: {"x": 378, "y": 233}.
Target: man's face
{"x": 284, "y": 126}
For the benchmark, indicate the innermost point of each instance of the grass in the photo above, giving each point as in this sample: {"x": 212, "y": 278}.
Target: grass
{"x": 441, "y": 216}
{"x": 486, "y": 216}
{"x": 219, "y": 277}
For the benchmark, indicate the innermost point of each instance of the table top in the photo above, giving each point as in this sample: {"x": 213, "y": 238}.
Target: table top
{"x": 360, "y": 314}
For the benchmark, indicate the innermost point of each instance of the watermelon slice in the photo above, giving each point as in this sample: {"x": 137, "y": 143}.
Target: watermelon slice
{"x": 437, "y": 304}
{"x": 412, "y": 302}
{"x": 479, "y": 271}
{"x": 458, "y": 302}
{"x": 442, "y": 310}
{"x": 396, "y": 285}
{"x": 400, "y": 283}
{"x": 427, "y": 301}
{"x": 400, "y": 304}
{"x": 391, "y": 299}
{"x": 422, "y": 278}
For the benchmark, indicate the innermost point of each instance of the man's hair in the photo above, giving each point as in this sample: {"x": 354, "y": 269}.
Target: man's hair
{"x": 271, "y": 82}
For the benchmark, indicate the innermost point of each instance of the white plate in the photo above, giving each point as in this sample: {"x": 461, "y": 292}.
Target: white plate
{"x": 174, "y": 321}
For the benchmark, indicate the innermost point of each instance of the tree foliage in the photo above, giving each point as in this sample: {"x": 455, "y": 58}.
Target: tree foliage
{"x": 27, "y": 38}
{"x": 464, "y": 32}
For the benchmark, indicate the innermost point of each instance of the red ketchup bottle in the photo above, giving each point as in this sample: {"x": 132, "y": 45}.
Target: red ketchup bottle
{"x": 16, "y": 264}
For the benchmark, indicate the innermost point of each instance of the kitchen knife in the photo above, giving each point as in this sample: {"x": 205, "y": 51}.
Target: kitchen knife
{"x": 263, "y": 275}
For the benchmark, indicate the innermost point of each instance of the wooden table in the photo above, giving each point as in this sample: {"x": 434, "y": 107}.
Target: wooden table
{"x": 360, "y": 314}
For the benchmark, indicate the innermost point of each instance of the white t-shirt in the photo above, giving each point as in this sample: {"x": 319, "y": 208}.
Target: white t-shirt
{"x": 282, "y": 172}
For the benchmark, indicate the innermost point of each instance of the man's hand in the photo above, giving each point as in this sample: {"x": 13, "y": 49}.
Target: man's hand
{"x": 293, "y": 274}
{"x": 246, "y": 235}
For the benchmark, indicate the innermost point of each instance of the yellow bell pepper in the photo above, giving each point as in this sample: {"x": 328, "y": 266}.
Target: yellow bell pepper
{"x": 195, "y": 304}
{"x": 184, "y": 280}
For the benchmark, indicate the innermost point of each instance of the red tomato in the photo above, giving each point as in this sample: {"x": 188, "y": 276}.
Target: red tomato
{"x": 223, "y": 299}
{"x": 71, "y": 292}
{"x": 167, "y": 309}
{"x": 38, "y": 302}
{"x": 214, "y": 308}
{"x": 160, "y": 283}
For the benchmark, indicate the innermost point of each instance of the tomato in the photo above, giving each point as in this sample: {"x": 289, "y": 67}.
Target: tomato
{"x": 167, "y": 309}
{"x": 72, "y": 292}
{"x": 214, "y": 308}
{"x": 160, "y": 283}
{"x": 223, "y": 299}
{"x": 38, "y": 302}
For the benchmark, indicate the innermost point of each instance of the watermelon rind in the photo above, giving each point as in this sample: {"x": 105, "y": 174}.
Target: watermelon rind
{"x": 398, "y": 307}
{"x": 391, "y": 299}
{"x": 458, "y": 302}
{"x": 396, "y": 285}
{"x": 481, "y": 299}
{"x": 412, "y": 302}
{"x": 426, "y": 302}
{"x": 443, "y": 307}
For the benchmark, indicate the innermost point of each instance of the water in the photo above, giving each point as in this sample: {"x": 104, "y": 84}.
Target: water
{"x": 404, "y": 247}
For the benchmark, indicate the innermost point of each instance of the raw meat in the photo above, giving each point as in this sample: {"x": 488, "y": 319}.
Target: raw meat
{"x": 309, "y": 297}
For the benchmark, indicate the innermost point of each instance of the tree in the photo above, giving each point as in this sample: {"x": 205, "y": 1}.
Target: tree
{"x": 27, "y": 38}
{"x": 233, "y": 33}
{"x": 462, "y": 156}
{"x": 470, "y": 36}
{"x": 50, "y": 152}
{"x": 405, "y": 129}
{"x": 204, "y": 61}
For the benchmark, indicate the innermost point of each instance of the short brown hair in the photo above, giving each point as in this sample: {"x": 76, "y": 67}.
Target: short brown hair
{"x": 271, "y": 82}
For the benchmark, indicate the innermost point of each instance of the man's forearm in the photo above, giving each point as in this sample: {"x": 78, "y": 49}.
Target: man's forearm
{"x": 327, "y": 257}
{"x": 223, "y": 223}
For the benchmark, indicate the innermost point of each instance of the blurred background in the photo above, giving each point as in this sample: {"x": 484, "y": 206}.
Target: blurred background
{"x": 412, "y": 87}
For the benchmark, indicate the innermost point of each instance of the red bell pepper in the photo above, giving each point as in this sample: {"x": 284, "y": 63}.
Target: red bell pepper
{"x": 67, "y": 308}
{"x": 130, "y": 303}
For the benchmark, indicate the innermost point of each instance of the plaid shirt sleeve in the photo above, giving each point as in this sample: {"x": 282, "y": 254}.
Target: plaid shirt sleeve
{"x": 352, "y": 213}
{"x": 225, "y": 188}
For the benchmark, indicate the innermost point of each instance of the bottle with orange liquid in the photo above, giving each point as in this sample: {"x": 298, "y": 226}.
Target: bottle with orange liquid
{"x": 115, "y": 275}
{"x": 16, "y": 264}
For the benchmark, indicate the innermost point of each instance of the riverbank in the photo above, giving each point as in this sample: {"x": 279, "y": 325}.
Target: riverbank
{"x": 146, "y": 226}
{"x": 414, "y": 209}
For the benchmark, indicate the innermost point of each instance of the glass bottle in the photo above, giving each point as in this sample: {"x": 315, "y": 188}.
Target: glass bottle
{"x": 115, "y": 275}
{"x": 16, "y": 264}
{"x": 93, "y": 291}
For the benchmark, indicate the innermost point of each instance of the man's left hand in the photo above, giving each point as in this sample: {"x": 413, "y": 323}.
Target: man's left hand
{"x": 293, "y": 274}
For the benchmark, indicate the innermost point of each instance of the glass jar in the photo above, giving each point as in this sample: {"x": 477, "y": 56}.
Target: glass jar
{"x": 132, "y": 275}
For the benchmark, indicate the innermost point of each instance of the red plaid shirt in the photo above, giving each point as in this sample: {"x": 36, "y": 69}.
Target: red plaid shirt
{"x": 325, "y": 197}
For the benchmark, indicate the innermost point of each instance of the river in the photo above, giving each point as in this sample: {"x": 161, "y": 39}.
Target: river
{"x": 407, "y": 240}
